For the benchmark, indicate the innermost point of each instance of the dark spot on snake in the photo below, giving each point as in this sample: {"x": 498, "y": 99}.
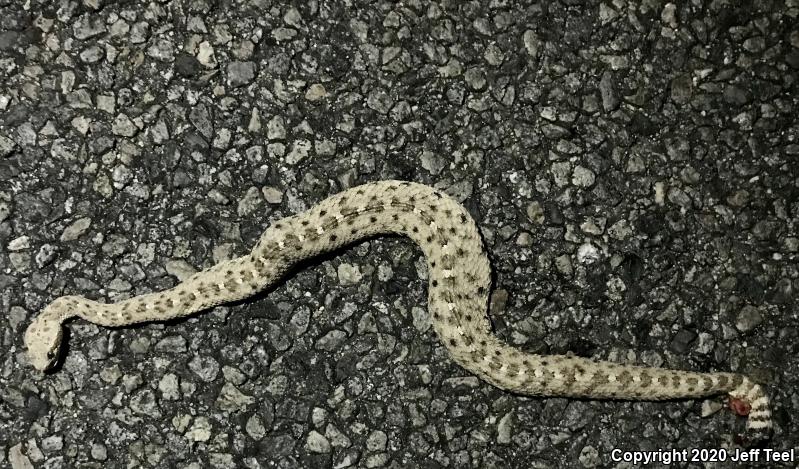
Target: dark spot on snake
{"x": 707, "y": 384}
{"x": 463, "y": 218}
{"x": 429, "y": 239}
{"x": 434, "y": 283}
{"x": 373, "y": 219}
{"x": 481, "y": 290}
{"x": 415, "y": 229}
{"x": 333, "y": 237}
{"x": 468, "y": 317}
{"x": 453, "y": 342}
{"x": 322, "y": 213}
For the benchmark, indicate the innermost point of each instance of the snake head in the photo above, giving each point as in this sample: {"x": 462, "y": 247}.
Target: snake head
{"x": 43, "y": 340}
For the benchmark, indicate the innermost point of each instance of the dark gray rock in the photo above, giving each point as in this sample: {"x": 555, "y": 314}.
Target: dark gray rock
{"x": 610, "y": 100}
{"x": 736, "y": 95}
{"x": 201, "y": 117}
{"x": 187, "y": 65}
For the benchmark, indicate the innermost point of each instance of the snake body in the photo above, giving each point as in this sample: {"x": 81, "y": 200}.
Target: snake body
{"x": 459, "y": 284}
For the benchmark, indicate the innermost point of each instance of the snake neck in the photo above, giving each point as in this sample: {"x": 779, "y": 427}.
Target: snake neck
{"x": 62, "y": 309}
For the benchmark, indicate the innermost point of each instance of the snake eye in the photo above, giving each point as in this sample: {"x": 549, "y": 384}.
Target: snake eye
{"x": 51, "y": 354}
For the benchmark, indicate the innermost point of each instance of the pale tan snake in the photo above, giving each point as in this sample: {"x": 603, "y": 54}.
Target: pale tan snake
{"x": 458, "y": 292}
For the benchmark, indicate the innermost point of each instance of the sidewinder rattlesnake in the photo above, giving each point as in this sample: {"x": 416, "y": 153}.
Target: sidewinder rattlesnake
{"x": 459, "y": 283}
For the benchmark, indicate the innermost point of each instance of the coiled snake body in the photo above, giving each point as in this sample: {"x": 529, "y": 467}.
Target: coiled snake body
{"x": 459, "y": 276}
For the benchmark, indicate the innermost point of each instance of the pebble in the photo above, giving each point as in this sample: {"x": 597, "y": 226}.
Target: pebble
{"x": 88, "y": 26}
{"x": 317, "y": 443}
{"x": 610, "y": 100}
{"x": 99, "y": 452}
{"x": 583, "y": 177}
{"x": 736, "y": 95}
{"x": 255, "y": 428}
{"x": 377, "y": 441}
{"x": 206, "y": 368}
{"x": 241, "y": 73}
{"x": 275, "y": 128}
{"x": 124, "y": 126}
{"x": 162, "y": 49}
{"x": 316, "y": 92}
{"x": 205, "y": 55}
{"x": 200, "y": 430}
{"x": 749, "y": 317}
{"x": 232, "y": 399}
{"x": 18, "y": 459}
{"x": 202, "y": 119}
{"x": 300, "y": 150}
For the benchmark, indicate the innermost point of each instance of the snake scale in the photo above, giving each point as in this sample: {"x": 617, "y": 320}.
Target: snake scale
{"x": 458, "y": 293}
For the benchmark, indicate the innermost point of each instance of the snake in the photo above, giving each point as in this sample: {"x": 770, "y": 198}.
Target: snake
{"x": 459, "y": 285}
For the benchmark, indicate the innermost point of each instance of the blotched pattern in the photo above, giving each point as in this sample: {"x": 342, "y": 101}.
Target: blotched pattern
{"x": 458, "y": 300}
